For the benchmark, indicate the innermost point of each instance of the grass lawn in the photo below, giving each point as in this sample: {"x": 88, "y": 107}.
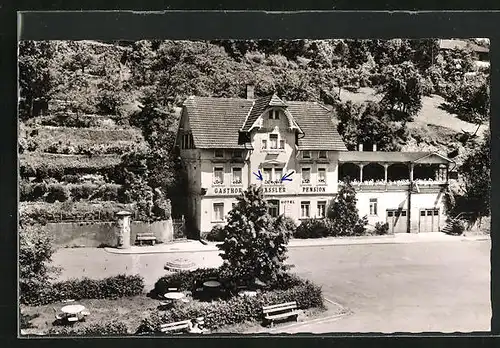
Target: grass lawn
{"x": 132, "y": 310}
{"x": 128, "y": 310}
{"x": 430, "y": 113}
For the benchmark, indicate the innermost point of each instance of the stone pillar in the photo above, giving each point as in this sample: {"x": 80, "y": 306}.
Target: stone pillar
{"x": 361, "y": 172}
{"x": 123, "y": 229}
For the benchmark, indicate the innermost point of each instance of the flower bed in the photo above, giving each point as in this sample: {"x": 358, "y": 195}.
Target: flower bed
{"x": 234, "y": 310}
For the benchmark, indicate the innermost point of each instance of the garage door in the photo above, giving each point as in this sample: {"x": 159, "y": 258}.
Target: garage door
{"x": 428, "y": 220}
{"x": 397, "y": 220}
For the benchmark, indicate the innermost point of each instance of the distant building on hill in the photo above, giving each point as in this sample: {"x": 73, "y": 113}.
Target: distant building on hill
{"x": 293, "y": 150}
{"x": 480, "y": 53}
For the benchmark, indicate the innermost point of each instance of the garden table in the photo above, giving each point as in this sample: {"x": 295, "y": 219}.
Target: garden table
{"x": 211, "y": 284}
{"x": 173, "y": 296}
{"x": 73, "y": 309}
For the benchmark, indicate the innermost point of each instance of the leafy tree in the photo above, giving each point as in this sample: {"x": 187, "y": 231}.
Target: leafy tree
{"x": 255, "y": 244}
{"x": 471, "y": 100}
{"x": 477, "y": 179}
{"x": 367, "y": 123}
{"x": 35, "y": 74}
{"x": 35, "y": 253}
{"x": 402, "y": 91}
{"x": 343, "y": 213}
{"x": 358, "y": 52}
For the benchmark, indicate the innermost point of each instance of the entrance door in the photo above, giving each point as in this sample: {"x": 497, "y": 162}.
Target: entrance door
{"x": 274, "y": 207}
{"x": 397, "y": 220}
{"x": 428, "y": 220}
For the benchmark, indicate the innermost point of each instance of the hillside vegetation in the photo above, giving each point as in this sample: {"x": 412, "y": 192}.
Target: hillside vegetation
{"x": 94, "y": 112}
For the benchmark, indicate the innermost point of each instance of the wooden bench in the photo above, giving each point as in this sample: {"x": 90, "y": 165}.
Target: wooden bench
{"x": 280, "y": 311}
{"x": 145, "y": 237}
{"x": 182, "y": 326}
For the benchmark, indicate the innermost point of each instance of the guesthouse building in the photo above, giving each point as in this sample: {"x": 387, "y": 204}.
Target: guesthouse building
{"x": 293, "y": 150}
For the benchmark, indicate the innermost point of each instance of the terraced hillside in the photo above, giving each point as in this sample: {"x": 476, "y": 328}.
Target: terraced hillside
{"x": 67, "y": 173}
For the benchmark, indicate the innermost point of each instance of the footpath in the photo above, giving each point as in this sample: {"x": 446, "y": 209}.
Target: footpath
{"x": 190, "y": 246}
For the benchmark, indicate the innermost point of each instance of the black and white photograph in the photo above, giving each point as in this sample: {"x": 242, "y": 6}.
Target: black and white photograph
{"x": 174, "y": 187}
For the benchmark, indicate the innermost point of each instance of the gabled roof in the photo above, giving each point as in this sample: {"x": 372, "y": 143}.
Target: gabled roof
{"x": 390, "y": 157}
{"x": 461, "y": 44}
{"x": 258, "y": 108}
{"x": 315, "y": 120}
{"x": 216, "y": 122}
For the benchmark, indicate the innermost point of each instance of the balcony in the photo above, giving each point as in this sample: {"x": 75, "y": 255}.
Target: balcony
{"x": 421, "y": 186}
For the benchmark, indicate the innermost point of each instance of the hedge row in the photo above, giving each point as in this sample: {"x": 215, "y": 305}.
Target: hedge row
{"x": 319, "y": 228}
{"x": 119, "y": 148}
{"x": 110, "y": 328}
{"x": 43, "y": 212}
{"x": 33, "y": 162}
{"x": 237, "y": 309}
{"x": 85, "y": 288}
{"x": 74, "y": 120}
{"x": 33, "y": 191}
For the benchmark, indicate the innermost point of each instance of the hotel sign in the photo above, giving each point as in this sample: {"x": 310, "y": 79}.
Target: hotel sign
{"x": 227, "y": 190}
{"x": 313, "y": 189}
{"x": 274, "y": 189}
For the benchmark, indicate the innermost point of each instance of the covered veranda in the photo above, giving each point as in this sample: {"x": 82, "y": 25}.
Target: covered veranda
{"x": 399, "y": 168}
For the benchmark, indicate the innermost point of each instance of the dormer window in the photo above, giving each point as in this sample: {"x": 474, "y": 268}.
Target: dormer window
{"x": 273, "y": 140}
{"x": 306, "y": 154}
{"x": 274, "y": 115}
{"x": 219, "y": 153}
{"x": 282, "y": 144}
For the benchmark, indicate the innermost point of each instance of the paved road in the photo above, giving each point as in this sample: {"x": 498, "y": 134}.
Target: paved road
{"x": 441, "y": 286}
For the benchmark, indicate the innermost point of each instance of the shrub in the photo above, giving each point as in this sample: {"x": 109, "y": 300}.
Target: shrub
{"x": 183, "y": 280}
{"x": 106, "y": 192}
{"x": 85, "y": 288}
{"x": 106, "y": 328}
{"x": 216, "y": 234}
{"x": 238, "y": 309}
{"x": 71, "y": 179}
{"x": 82, "y": 191}
{"x": 35, "y": 253}
{"x": 360, "y": 227}
{"x": 57, "y": 192}
{"x": 313, "y": 228}
{"x": 289, "y": 224}
{"x": 343, "y": 213}
{"x": 457, "y": 227}
{"x": 381, "y": 228}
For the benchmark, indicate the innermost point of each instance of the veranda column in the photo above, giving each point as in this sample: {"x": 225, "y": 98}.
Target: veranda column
{"x": 411, "y": 172}
{"x": 361, "y": 172}
{"x": 123, "y": 229}
{"x": 386, "y": 166}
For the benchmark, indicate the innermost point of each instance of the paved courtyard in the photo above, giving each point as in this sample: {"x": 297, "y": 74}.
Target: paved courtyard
{"x": 417, "y": 287}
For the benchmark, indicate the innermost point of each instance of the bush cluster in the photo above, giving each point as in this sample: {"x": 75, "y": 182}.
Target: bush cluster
{"x": 85, "y": 288}
{"x": 381, "y": 228}
{"x": 106, "y": 328}
{"x": 184, "y": 280}
{"x": 313, "y": 228}
{"x": 457, "y": 227}
{"x": 71, "y": 120}
{"x": 71, "y": 211}
{"x": 216, "y": 234}
{"x": 239, "y": 309}
{"x": 36, "y": 191}
{"x": 89, "y": 149}
{"x": 319, "y": 228}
